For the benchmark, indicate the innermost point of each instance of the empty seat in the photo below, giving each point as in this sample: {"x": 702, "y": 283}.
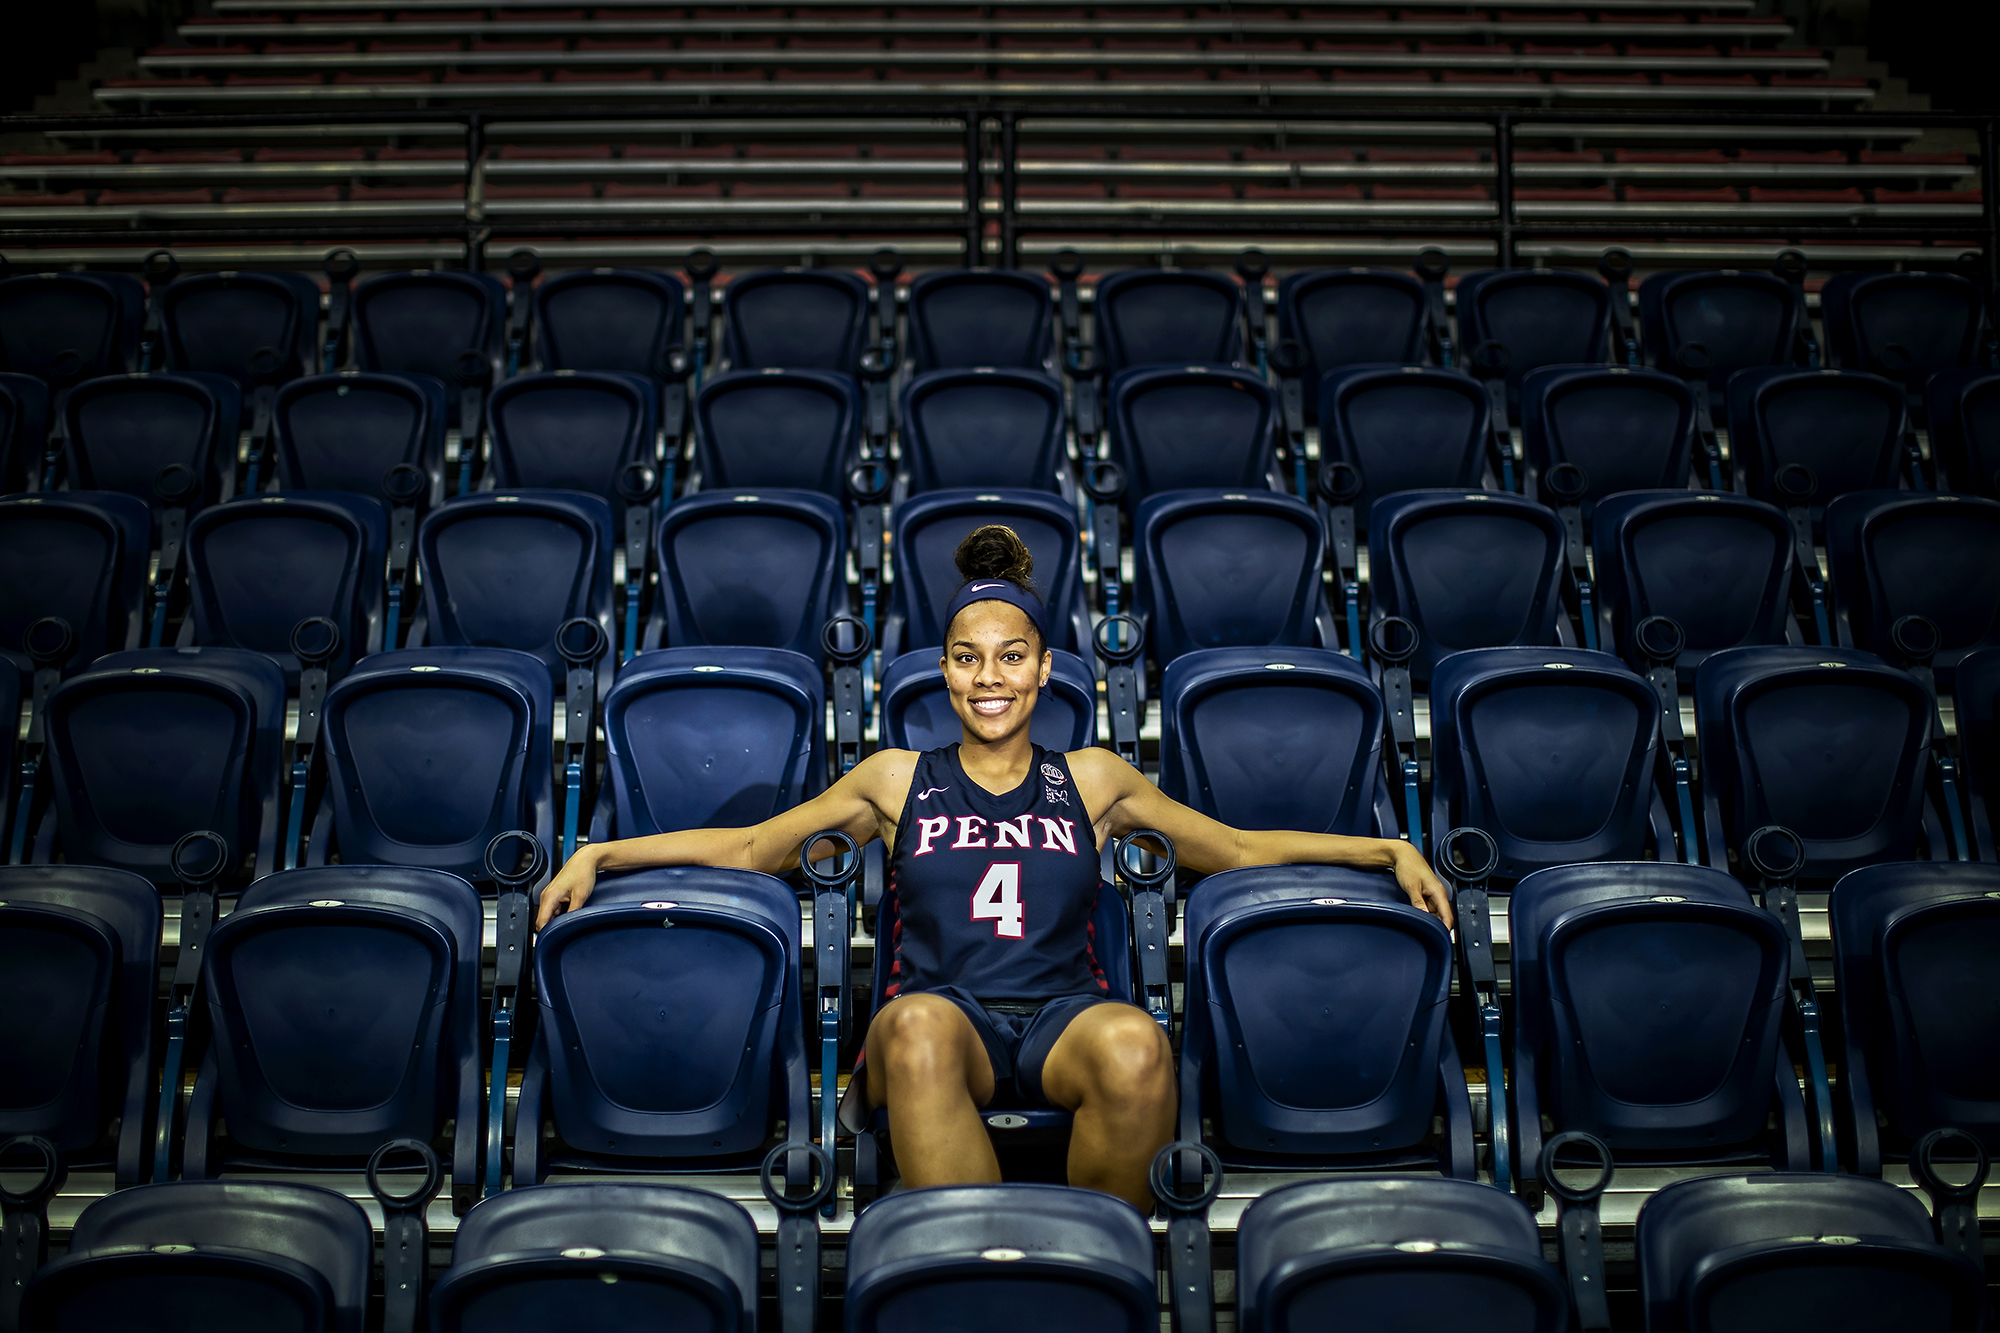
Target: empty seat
{"x": 1843, "y": 427}
{"x": 1854, "y": 792}
{"x": 225, "y": 1255}
{"x": 1220, "y": 569}
{"x": 1798, "y": 1251}
{"x": 794, "y": 428}
{"x": 1403, "y": 428}
{"x": 1316, "y": 1254}
{"x": 801, "y": 319}
{"x": 572, "y": 430}
{"x": 1150, "y": 316}
{"x": 81, "y": 556}
{"x": 222, "y": 322}
{"x": 1905, "y": 553}
{"x": 1963, "y": 407}
{"x": 1739, "y": 319}
{"x": 606, "y": 1255}
{"x": 960, "y": 318}
{"x": 79, "y": 965}
{"x": 1178, "y": 427}
{"x": 24, "y": 427}
{"x": 421, "y": 321}
{"x": 983, "y": 427}
{"x": 984, "y": 1258}
{"x": 625, "y": 319}
{"x": 1905, "y": 326}
{"x": 1627, "y": 429}
{"x": 917, "y": 712}
{"x": 928, "y": 530}
{"x": 1343, "y": 317}
{"x": 64, "y": 327}
{"x": 759, "y": 569}
{"x": 1470, "y": 569}
{"x": 1542, "y": 317}
{"x": 345, "y": 432}
{"x": 125, "y": 430}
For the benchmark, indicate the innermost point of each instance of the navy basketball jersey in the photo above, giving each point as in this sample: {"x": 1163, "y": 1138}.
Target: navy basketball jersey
{"x": 994, "y": 894}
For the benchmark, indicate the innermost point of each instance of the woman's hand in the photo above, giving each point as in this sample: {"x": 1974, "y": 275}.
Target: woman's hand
{"x": 571, "y": 887}
{"x": 1419, "y": 881}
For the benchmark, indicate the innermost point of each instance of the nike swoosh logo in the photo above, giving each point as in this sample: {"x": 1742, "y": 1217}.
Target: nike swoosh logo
{"x": 982, "y": 587}
{"x": 928, "y": 792}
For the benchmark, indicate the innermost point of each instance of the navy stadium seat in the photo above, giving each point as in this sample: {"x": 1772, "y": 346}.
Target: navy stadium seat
{"x": 80, "y": 555}
{"x": 610, "y": 319}
{"x": 1846, "y": 427}
{"x": 1627, "y": 429}
{"x": 64, "y": 327}
{"x": 1179, "y": 427}
{"x": 123, "y": 430}
{"x": 147, "y": 746}
{"x": 1384, "y": 1251}
{"x": 989, "y": 1258}
{"x": 1853, "y": 792}
{"x": 1905, "y": 326}
{"x": 572, "y": 430}
{"x": 1739, "y": 318}
{"x": 79, "y": 967}
{"x": 431, "y": 753}
{"x": 1794, "y": 1251}
{"x": 1720, "y": 565}
{"x": 718, "y": 1058}
{"x": 343, "y": 1003}
{"x": 228, "y": 1256}
{"x": 420, "y": 321}
{"x": 1903, "y": 553}
{"x": 1403, "y": 428}
{"x": 1914, "y": 950}
{"x": 1276, "y": 738}
{"x": 344, "y": 432}
{"x": 219, "y": 322}
{"x": 255, "y": 570}
{"x": 960, "y": 318}
{"x": 1470, "y": 569}
{"x": 801, "y": 319}
{"x": 24, "y": 428}
{"x": 1222, "y": 569}
{"x": 1315, "y": 1030}
{"x": 750, "y": 569}
{"x": 1343, "y": 317}
{"x": 917, "y": 712}
{"x": 795, "y": 428}
{"x": 1977, "y": 701}
{"x": 1152, "y": 316}
{"x": 928, "y": 530}
{"x": 1543, "y": 317}
{"x": 1963, "y": 408}
{"x": 601, "y": 1255}
{"x": 983, "y": 427}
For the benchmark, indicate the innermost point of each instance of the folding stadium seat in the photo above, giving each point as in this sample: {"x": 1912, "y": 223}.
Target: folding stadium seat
{"x": 1470, "y": 569}
{"x": 928, "y": 530}
{"x": 1178, "y": 427}
{"x": 430, "y": 754}
{"x": 1719, "y": 565}
{"x": 917, "y": 712}
{"x": 1627, "y": 429}
{"x": 796, "y": 319}
{"x": 224, "y": 323}
{"x": 794, "y": 428}
{"x": 1854, "y": 793}
{"x": 1903, "y": 326}
{"x": 231, "y": 1256}
{"x": 65, "y": 327}
{"x": 345, "y": 432}
{"x": 421, "y": 321}
{"x": 1403, "y": 428}
{"x": 1147, "y": 317}
{"x": 984, "y": 1258}
{"x": 1822, "y": 433}
{"x": 1737, "y": 319}
{"x": 983, "y": 427}
{"x": 24, "y": 429}
{"x": 78, "y": 555}
{"x": 572, "y": 431}
{"x": 1977, "y": 703}
{"x": 652, "y": 1256}
{"x": 960, "y": 318}
{"x": 344, "y": 1007}
{"x": 1798, "y": 1251}
{"x": 122, "y": 432}
{"x": 1692, "y": 1075}
{"x": 1540, "y": 317}
{"x": 1315, "y": 1031}
{"x": 1342, "y": 317}
{"x": 1963, "y": 408}
{"x": 1316, "y": 1254}
{"x": 79, "y": 965}
{"x": 1903, "y": 553}
{"x": 752, "y": 570}
{"x": 630, "y": 320}
{"x": 1217, "y": 569}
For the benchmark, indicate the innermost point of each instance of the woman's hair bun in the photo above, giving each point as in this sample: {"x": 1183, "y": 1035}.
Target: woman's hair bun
{"x": 995, "y": 552}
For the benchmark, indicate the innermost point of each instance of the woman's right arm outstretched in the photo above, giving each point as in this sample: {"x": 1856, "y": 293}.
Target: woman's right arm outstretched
{"x": 865, "y": 804}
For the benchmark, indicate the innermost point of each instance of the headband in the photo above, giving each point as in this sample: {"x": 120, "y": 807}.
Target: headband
{"x": 1000, "y": 590}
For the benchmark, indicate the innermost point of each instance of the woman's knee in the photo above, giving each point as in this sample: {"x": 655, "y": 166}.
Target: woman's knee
{"x": 1130, "y": 1059}
{"x": 919, "y": 1037}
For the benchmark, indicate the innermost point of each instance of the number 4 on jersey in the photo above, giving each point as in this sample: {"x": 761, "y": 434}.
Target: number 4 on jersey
{"x": 998, "y": 899}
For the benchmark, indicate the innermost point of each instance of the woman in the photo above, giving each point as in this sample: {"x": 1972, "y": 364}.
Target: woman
{"x": 994, "y": 868}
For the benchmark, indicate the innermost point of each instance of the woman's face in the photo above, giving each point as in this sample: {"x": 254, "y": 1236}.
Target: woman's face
{"x": 994, "y": 664}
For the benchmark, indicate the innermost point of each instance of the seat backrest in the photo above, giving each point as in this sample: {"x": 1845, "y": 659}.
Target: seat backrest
{"x": 218, "y": 322}
{"x": 80, "y": 555}
{"x": 624, "y": 319}
{"x": 1627, "y": 429}
{"x": 1719, "y": 564}
{"x": 982, "y": 427}
{"x": 431, "y": 752}
{"x": 421, "y": 321}
{"x": 344, "y": 432}
{"x": 1471, "y": 569}
{"x": 928, "y": 529}
{"x": 1403, "y": 428}
{"x": 149, "y": 745}
{"x": 713, "y": 738}
{"x": 1177, "y": 427}
{"x": 1903, "y": 553}
{"x": 1275, "y": 738}
{"x": 660, "y": 1255}
{"x": 226, "y": 1255}
{"x": 1740, "y": 319}
{"x": 793, "y": 428}
{"x": 1312, "y": 1255}
{"x": 802, "y": 319}
{"x": 1977, "y": 704}
{"x": 124, "y": 429}
{"x": 70, "y": 326}
{"x": 986, "y": 1257}
{"x": 1343, "y": 317}
{"x": 256, "y": 570}
{"x": 1218, "y": 569}
{"x": 571, "y": 430}
{"x": 980, "y": 317}
{"x": 1154, "y": 316}
{"x": 751, "y": 569}
{"x": 1963, "y": 407}
{"x": 1845, "y": 426}
{"x": 1543, "y": 317}
{"x": 917, "y": 712}
{"x": 1906, "y": 326}
{"x": 1832, "y": 743}
{"x": 1798, "y": 1250}
{"x": 24, "y": 427}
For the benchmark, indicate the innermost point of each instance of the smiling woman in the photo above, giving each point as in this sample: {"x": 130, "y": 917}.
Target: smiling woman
{"x": 993, "y": 978}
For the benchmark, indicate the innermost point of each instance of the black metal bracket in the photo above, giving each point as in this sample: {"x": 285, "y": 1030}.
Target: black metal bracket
{"x": 197, "y": 874}
{"x": 1954, "y": 1208}
{"x": 1253, "y": 266}
{"x": 1693, "y": 361}
{"x": 1394, "y": 640}
{"x": 523, "y": 267}
{"x": 1104, "y": 483}
{"x": 49, "y": 643}
{"x": 1578, "y": 1235}
{"x": 1121, "y": 641}
{"x": 406, "y": 1236}
{"x": 341, "y": 267}
{"x": 1776, "y": 855}
{"x": 798, "y": 1233}
{"x": 580, "y": 641}
{"x": 1567, "y": 484}
{"x": 1468, "y": 857}
{"x": 160, "y": 269}
{"x": 514, "y": 877}
{"x": 638, "y": 485}
{"x": 24, "y": 1224}
{"x": 175, "y": 486}
{"x": 1659, "y": 640}
{"x": 1151, "y": 893}
{"x": 847, "y": 643}
{"x": 315, "y": 641}
{"x": 1190, "y": 1265}
{"x": 1615, "y": 266}
{"x": 833, "y": 926}
{"x": 1432, "y": 265}
{"x": 1340, "y": 484}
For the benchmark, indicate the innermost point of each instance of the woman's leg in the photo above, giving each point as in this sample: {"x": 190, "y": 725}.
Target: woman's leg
{"x": 1113, "y": 1067}
{"x": 928, "y": 1067}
